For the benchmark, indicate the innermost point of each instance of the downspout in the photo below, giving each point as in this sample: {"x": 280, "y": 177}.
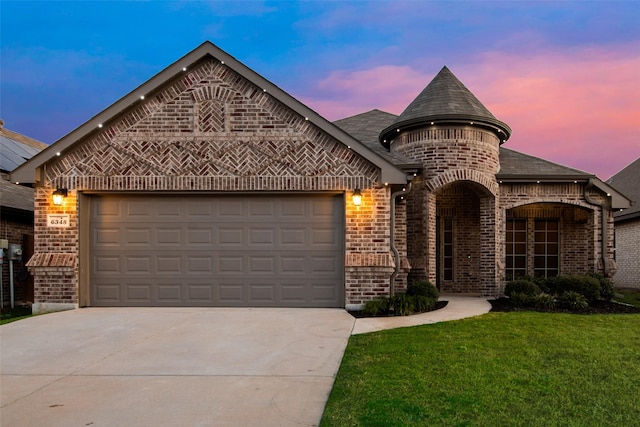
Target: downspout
{"x": 603, "y": 225}
{"x": 396, "y": 254}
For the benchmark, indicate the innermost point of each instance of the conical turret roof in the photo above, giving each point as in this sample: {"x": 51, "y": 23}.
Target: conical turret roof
{"x": 445, "y": 100}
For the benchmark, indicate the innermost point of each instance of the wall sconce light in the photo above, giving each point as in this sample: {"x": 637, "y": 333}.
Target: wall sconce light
{"x": 59, "y": 195}
{"x": 357, "y": 197}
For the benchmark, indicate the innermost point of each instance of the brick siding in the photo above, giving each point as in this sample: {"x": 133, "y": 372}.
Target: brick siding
{"x": 627, "y": 250}
{"x": 211, "y": 130}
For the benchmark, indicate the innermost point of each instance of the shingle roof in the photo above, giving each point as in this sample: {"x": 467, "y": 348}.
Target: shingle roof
{"x": 516, "y": 165}
{"x": 446, "y": 99}
{"x": 15, "y": 196}
{"x": 365, "y": 127}
{"x": 627, "y": 181}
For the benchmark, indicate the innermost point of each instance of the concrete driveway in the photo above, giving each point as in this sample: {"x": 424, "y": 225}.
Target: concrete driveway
{"x": 171, "y": 366}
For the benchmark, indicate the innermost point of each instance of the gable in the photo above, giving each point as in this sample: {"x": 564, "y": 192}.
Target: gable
{"x": 212, "y": 124}
{"x": 211, "y": 116}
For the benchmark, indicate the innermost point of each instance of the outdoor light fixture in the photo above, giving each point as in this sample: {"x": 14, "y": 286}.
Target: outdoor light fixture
{"x": 357, "y": 197}
{"x": 59, "y": 195}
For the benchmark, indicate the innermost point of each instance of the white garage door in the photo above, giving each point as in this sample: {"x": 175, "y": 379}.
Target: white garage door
{"x": 231, "y": 250}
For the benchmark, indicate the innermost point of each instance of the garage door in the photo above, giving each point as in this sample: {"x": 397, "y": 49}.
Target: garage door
{"x": 232, "y": 250}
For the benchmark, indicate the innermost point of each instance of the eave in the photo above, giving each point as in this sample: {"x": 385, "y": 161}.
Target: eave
{"x": 31, "y": 171}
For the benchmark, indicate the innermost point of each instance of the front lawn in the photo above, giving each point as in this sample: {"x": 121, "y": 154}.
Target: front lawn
{"x": 500, "y": 369}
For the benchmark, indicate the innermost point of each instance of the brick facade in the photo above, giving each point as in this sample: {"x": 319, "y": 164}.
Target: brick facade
{"x": 459, "y": 183}
{"x": 628, "y": 264}
{"x": 209, "y": 128}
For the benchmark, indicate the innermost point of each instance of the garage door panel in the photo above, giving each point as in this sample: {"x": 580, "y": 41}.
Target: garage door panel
{"x": 107, "y": 236}
{"x": 198, "y": 210}
{"x": 167, "y": 209}
{"x": 261, "y": 236}
{"x": 140, "y": 209}
{"x": 136, "y": 236}
{"x": 106, "y": 265}
{"x": 199, "y": 236}
{"x": 169, "y": 265}
{"x": 263, "y": 265}
{"x": 106, "y": 292}
{"x": 139, "y": 292}
{"x": 217, "y": 251}
{"x": 230, "y": 236}
{"x": 293, "y": 237}
{"x": 138, "y": 265}
{"x": 169, "y": 237}
{"x": 170, "y": 293}
{"x": 199, "y": 265}
{"x": 231, "y": 265}
{"x": 262, "y": 293}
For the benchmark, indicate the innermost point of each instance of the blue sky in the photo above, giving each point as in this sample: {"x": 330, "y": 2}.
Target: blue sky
{"x": 564, "y": 75}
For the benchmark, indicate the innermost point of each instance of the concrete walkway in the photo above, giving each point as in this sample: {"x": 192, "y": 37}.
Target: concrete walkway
{"x": 458, "y": 307}
{"x": 182, "y": 366}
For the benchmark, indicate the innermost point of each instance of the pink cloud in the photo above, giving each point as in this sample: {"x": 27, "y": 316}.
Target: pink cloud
{"x": 578, "y": 108}
{"x": 388, "y": 87}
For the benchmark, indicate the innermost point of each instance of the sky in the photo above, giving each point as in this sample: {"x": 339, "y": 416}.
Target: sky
{"x": 564, "y": 75}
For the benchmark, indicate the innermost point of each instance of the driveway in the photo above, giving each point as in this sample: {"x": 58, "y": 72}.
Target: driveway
{"x": 171, "y": 366}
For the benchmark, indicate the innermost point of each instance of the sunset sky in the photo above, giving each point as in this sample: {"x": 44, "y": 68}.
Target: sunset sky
{"x": 564, "y": 75}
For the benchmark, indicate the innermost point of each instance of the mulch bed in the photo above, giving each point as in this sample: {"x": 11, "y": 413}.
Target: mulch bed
{"x": 598, "y": 307}
{"x": 361, "y": 314}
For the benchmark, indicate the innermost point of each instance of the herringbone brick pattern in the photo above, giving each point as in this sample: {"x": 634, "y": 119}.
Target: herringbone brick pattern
{"x": 211, "y": 123}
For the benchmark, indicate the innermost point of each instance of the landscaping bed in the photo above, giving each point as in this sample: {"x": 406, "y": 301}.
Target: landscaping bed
{"x": 595, "y": 307}
{"x": 361, "y": 313}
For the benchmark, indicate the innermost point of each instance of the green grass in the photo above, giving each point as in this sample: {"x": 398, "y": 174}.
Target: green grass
{"x": 9, "y": 315}
{"x": 629, "y": 296}
{"x": 500, "y": 369}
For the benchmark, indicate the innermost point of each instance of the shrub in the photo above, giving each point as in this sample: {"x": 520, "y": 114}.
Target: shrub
{"x": 606, "y": 286}
{"x": 587, "y": 286}
{"x": 573, "y": 299}
{"x": 544, "y": 302}
{"x": 546, "y": 284}
{"x": 423, "y": 288}
{"x": 401, "y": 304}
{"x": 521, "y": 286}
{"x": 376, "y": 307}
{"x": 520, "y": 299}
{"x": 423, "y": 303}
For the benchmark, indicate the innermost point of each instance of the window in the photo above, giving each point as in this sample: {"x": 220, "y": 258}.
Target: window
{"x": 447, "y": 249}
{"x": 516, "y": 248}
{"x": 546, "y": 248}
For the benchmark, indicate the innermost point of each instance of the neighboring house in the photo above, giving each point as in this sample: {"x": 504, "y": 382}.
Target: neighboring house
{"x": 16, "y": 213}
{"x": 627, "y": 223}
{"x": 210, "y": 186}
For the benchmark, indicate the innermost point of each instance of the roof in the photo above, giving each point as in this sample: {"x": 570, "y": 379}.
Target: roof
{"x": 16, "y": 148}
{"x": 15, "y": 196}
{"x": 366, "y": 127}
{"x": 515, "y": 165}
{"x": 28, "y": 171}
{"x": 446, "y": 100}
{"x": 519, "y": 167}
{"x": 627, "y": 182}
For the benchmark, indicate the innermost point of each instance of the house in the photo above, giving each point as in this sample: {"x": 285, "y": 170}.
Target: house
{"x": 210, "y": 186}
{"x": 16, "y": 215}
{"x": 627, "y": 232}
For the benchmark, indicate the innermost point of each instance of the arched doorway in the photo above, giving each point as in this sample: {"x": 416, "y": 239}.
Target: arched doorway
{"x": 465, "y": 238}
